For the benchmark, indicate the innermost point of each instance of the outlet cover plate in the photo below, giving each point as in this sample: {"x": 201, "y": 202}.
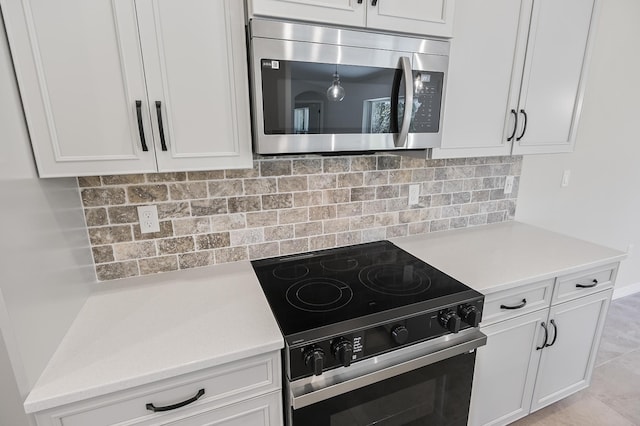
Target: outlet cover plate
{"x": 148, "y": 216}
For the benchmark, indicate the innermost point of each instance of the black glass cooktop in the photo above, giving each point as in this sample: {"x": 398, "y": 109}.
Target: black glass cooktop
{"x": 318, "y": 289}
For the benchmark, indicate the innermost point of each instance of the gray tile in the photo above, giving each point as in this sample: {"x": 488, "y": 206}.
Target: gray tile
{"x": 147, "y": 193}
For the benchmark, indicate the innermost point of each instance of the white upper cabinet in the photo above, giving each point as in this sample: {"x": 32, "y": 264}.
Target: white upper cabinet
{"x": 196, "y": 73}
{"x": 428, "y": 17}
{"x": 80, "y": 72}
{"x": 431, "y": 17}
{"x": 553, "y": 81}
{"x": 337, "y": 12}
{"x": 516, "y": 77}
{"x": 84, "y": 71}
{"x": 484, "y": 78}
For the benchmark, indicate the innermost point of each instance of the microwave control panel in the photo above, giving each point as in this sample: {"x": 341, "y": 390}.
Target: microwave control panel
{"x": 427, "y": 100}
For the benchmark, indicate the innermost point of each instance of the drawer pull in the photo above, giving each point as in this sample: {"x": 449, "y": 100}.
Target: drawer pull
{"x": 546, "y": 337}
{"x": 155, "y": 409}
{"x": 520, "y": 306}
{"x": 593, "y": 284}
{"x": 555, "y": 335}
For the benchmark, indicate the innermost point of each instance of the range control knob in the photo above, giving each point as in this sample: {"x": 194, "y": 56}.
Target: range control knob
{"x": 469, "y": 314}
{"x": 400, "y": 334}
{"x": 314, "y": 359}
{"x": 450, "y": 320}
{"x": 342, "y": 350}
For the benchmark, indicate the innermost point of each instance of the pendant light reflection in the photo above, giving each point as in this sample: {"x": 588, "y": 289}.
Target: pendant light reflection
{"x": 417, "y": 83}
{"x": 335, "y": 93}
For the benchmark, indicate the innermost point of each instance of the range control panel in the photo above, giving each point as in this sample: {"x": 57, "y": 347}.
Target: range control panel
{"x": 343, "y": 350}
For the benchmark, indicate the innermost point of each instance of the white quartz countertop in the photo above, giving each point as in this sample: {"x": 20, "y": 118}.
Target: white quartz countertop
{"x": 497, "y": 257}
{"x": 140, "y": 330}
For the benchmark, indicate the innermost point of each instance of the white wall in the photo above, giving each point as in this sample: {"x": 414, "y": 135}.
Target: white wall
{"x": 602, "y": 201}
{"x": 45, "y": 260}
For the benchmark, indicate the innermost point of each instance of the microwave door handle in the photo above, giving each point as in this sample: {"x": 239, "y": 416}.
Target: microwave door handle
{"x": 401, "y": 137}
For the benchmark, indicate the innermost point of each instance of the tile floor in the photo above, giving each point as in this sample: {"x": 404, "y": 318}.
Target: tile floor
{"x": 613, "y": 399}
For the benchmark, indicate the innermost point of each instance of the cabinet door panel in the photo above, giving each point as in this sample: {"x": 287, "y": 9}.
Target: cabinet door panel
{"x": 566, "y": 366}
{"x": 431, "y": 17}
{"x": 80, "y": 72}
{"x": 485, "y": 70}
{"x": 337, "y": 12}
{"x": 195, "y": 63}
{"x": 553, "y": 81}
{"x": 506, "y": 369}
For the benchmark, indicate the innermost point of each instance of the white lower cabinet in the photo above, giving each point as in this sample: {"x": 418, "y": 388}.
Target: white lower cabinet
{"x": 533, "y": 359}
{"x": 246, "y": 392}
{"x": 566, "y": 365}
{"x": 260, "y": 411}
{"x": 503, "y": 381}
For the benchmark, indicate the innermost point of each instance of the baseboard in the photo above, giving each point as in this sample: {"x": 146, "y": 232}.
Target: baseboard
{"x": 627, "y": 290}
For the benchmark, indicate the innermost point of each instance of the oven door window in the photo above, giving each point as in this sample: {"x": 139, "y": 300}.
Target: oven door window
{"x": 437, "y": 394}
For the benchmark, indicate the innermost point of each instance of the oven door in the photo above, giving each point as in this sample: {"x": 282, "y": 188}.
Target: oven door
{"x": 424, "y": 384}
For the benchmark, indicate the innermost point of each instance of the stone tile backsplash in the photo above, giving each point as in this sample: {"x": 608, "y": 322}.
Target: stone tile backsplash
{"x": 286, "y": 205}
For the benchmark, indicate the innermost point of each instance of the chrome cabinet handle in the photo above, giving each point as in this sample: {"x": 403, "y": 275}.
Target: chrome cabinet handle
{"x": 520, "y": 306}
{"x": 555, "y": 335}
{"x": 546, "y": 336}
{"x": 515, "y": 126}
{"x": 160, "y": 126}
{"x": 374, "y": 2}
{"x": 526, "y": 120}
{"x": 143, "y": 142}
{"x": 191, "y": 400}
{"x": 593, "y": 284}
{"x": 407, "y": 73}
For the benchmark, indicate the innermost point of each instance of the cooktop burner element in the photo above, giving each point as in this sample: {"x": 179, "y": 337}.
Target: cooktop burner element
{"x": 319, "y": 294}
{"x": 290, "y": 272}
{"x": 339, "y": 265}
{"x": 395, "y": 280}
{"x": 325, "y": 292}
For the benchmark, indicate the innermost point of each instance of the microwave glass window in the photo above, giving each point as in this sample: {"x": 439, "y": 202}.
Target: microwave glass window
{"x": 297, "y": 99}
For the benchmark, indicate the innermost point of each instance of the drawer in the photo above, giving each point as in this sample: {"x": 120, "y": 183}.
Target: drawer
{"x": 517, "y": 301}
{"x": 222, "y": 385}
{"x": 264, "y": 410}
{"x": 586, "y": 282}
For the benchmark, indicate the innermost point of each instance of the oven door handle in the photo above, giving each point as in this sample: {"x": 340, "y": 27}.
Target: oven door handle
{"x": 308, "y": 391}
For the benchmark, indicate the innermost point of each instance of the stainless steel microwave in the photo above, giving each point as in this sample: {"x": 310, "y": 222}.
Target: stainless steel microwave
{"x": 320, "y": 89}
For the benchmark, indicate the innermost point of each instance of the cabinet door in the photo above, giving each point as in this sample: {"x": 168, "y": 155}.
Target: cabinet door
{"x": 79, "y": 68}
{"x": 337, "y": 12}
{"x": 567, "y": 364}
{"x": 553, "y": 81}
{"x": 485, "y": 68}
{"x": 506, "y": 369}
{"x": 430, "y": 17}
{"x": 195, "y": 63}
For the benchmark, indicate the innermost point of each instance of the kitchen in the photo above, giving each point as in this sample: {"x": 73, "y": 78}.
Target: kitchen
{"x": 41, "y": 303}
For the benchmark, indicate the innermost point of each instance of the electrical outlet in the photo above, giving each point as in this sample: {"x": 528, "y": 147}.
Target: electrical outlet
{"x": 148, "y": 216}
{"x": 414, "y": 194}
{"x": 630, "y": 249}
{"x": 565, "y": 178}
{"x": 508, "y": 185}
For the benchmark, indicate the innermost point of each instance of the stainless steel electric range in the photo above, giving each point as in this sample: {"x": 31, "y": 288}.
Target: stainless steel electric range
{"x": 373, "y": 335}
